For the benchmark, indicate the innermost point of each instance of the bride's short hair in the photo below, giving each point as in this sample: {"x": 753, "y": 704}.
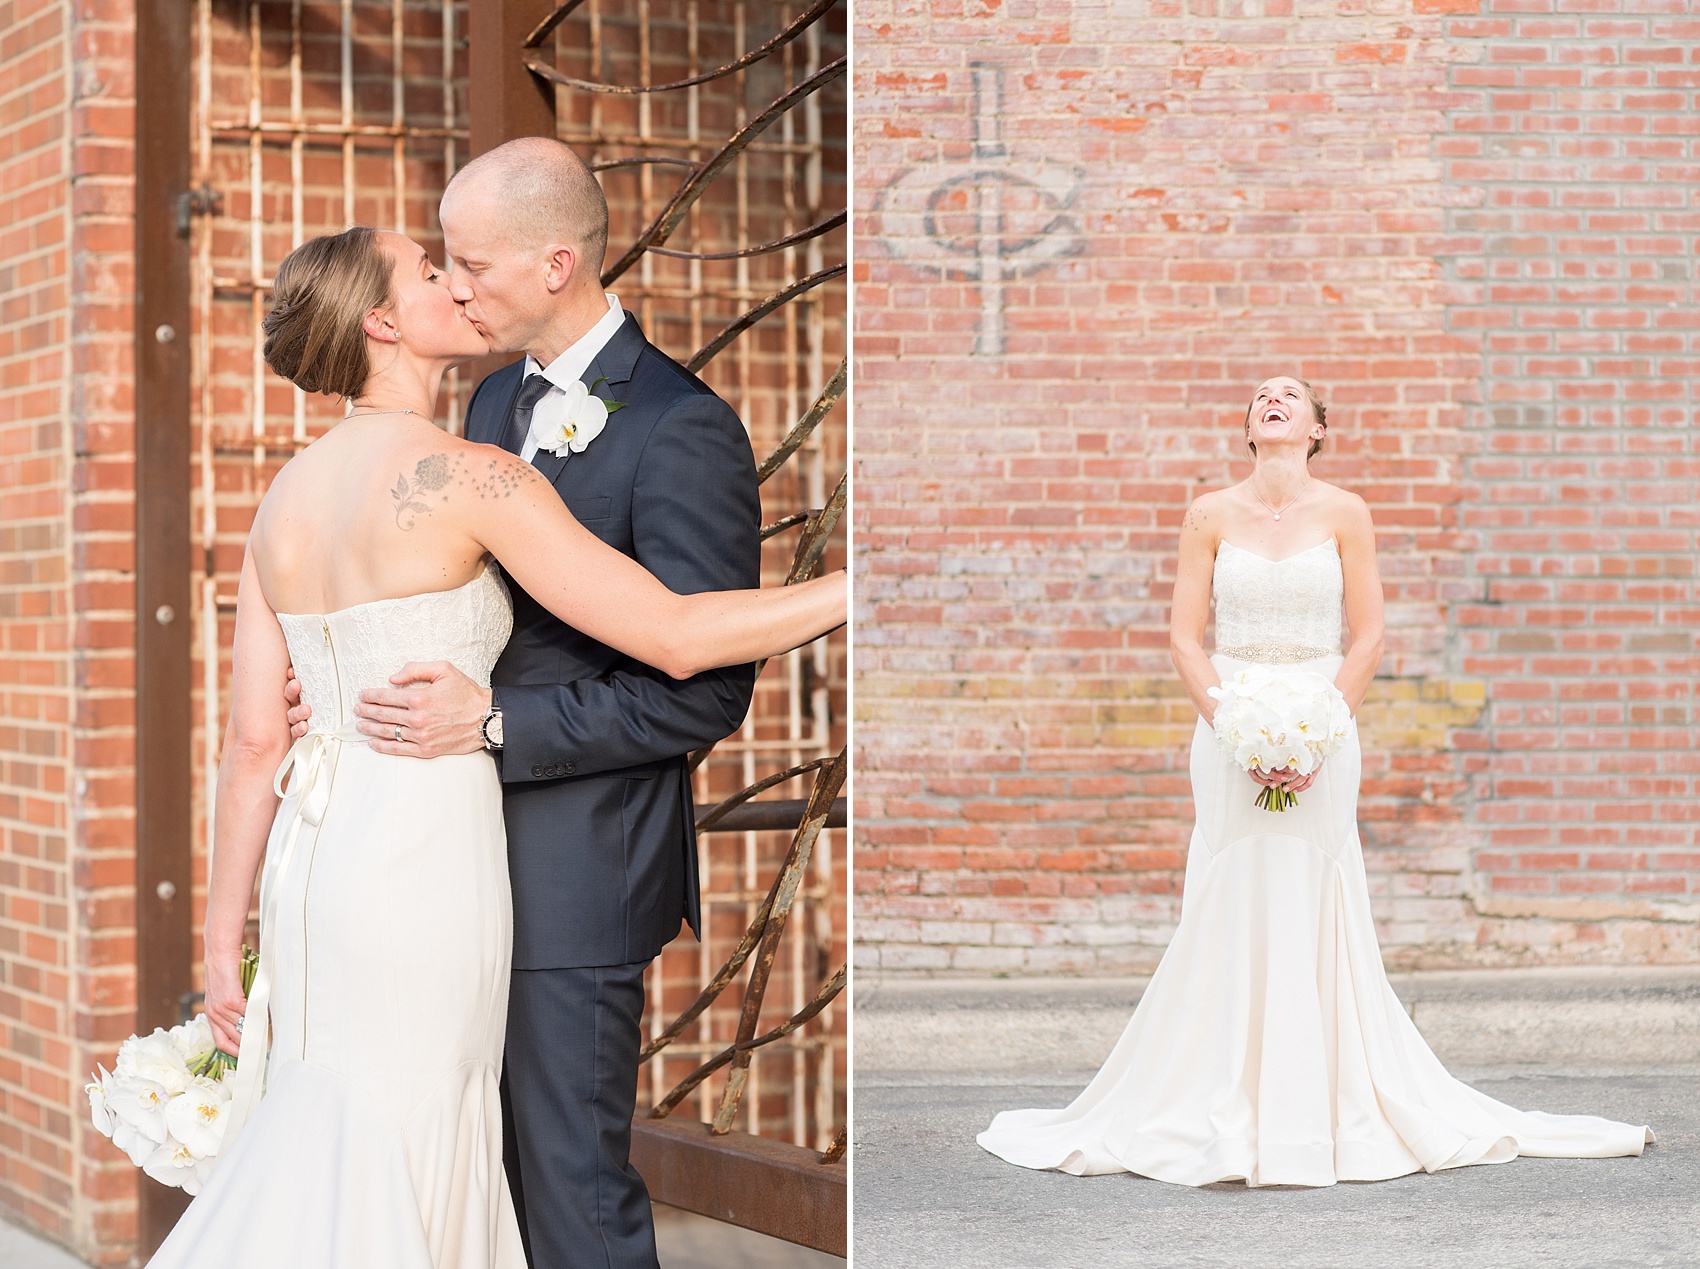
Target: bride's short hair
{"x": 320, "y": 298}
{"x": 1315, "y": 404}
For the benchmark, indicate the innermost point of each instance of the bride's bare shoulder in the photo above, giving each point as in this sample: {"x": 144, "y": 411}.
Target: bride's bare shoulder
{"x": 1207, "y": 514}
{"x": 1347, "y": 511}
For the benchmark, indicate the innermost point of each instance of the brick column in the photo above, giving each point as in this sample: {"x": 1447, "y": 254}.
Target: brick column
{"x": 38, "y": 1136}
{"x": 66, "y": 559}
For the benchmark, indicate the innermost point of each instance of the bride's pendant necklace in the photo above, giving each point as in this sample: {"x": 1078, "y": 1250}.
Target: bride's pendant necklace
{"x": 1276, "y": 511}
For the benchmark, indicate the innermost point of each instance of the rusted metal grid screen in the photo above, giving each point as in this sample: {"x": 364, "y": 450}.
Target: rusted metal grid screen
{"x": 787, "y": 181}
{"x": 311, "y": 116}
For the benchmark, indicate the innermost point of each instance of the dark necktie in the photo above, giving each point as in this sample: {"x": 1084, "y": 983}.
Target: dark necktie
{"x": 533, "y": 390}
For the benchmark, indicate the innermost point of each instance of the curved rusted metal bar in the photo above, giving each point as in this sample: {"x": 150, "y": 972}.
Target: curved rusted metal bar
{"x": 800, "y": 431}
{"x": 673, "y": 215}
{"x": 727, "y": 972}
{"x": 803, "y": 22}
{"x": 821, "y": 524}
{"x": 787, "y": 522}
{"x": 541, "y": 31}
{"x": 713, "y": 348}
{"x": 767, "y": 248}
{"x": 709, "y": 818}
{"x": 642, "y": 160}
{"x": 742, "y": 1049}
{"x": 789, "y": 874}
{"x": 840, "y": 1143}
{"x": 827, "y": 784}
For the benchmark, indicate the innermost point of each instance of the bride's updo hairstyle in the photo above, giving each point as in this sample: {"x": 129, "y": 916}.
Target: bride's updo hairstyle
{"x": 1315, "y": 404}
{"x": 322, "y": 293}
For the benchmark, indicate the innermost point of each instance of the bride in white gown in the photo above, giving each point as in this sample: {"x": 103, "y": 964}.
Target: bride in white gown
{"x": 1269, "y": 1046}
{"x": 385, "y": 906}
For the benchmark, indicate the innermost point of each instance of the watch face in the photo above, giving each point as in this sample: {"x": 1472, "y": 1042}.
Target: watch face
{"x": 493, "y": 729}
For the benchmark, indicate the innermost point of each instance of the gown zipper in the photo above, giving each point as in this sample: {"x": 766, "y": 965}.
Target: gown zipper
{"x": 307, "y": 881}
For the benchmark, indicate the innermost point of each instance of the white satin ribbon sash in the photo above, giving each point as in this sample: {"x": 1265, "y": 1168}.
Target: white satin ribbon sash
{"x": 313, "y": 759}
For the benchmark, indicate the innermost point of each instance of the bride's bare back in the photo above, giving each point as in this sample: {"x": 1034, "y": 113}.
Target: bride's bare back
{"x": 366, "y": 512}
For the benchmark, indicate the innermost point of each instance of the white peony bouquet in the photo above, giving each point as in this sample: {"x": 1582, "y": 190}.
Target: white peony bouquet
{"x": 1280, "y": 720}
{"x": 166, "y": 1099}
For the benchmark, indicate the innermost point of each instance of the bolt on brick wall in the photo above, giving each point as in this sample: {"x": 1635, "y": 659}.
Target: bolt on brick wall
{"x": 1085, "y": 232}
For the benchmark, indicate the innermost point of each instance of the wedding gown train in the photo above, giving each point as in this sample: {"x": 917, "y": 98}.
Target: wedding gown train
{"x": 1269, "y": 1046}
{"x": 386, "y": 933}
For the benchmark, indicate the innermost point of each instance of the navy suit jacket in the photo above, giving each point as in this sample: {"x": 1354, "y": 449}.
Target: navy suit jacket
{"x": 601, "y": 836}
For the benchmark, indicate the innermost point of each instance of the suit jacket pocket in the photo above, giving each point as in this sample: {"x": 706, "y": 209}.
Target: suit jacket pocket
{"x": 596, "y": 508}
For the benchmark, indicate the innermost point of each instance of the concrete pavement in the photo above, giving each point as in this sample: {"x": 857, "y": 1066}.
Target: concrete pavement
{"x": 683, "y": 1240}
{"x": 936, "y": 1059}
{"x": 24, "y": 1249}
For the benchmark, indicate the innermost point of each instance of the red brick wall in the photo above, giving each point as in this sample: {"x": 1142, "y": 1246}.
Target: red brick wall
{"x": 66, "y": 667}
{"x": 37, "y": 1137}
{"x": 102, "y": 407}
{"x": 1082, "y": 240}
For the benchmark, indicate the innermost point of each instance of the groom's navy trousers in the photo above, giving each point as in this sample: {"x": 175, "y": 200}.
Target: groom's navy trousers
{"x": 601, "y": 844}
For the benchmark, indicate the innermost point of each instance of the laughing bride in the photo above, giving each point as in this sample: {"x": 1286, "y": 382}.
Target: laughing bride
{"x": 1269, "y": 1047}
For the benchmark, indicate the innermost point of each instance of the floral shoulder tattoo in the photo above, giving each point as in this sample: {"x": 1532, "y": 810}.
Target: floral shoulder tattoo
{"x": 429, "y": 486}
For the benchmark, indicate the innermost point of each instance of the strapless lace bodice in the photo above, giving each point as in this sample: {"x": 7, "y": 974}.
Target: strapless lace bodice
{"x": 1270, "y": 611}
{"x": 338, "y": 655}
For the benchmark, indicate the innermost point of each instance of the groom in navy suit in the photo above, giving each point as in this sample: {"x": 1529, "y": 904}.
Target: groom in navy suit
{"x": 591, "y": 745}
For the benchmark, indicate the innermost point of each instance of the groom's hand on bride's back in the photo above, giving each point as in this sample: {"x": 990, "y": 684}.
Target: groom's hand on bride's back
{"x": 298, "y": 711}
{"x": 438, "y": 709}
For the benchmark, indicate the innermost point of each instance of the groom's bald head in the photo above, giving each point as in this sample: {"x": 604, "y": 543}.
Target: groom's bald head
{"x": 539, "y": 193}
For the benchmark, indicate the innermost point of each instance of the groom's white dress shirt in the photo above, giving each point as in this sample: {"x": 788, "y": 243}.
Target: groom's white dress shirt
{"x": 570, "y": 366}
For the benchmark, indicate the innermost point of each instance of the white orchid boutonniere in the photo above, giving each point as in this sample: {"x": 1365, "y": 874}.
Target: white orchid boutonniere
{"x": 569, "y": 420}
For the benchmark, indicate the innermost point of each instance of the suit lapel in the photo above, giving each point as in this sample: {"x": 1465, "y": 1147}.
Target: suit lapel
{"x": 613, "y": 364}
{"x": 497, "y": 430}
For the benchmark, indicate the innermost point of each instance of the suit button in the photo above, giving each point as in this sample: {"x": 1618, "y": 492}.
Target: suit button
{"x": 537, "y": 772}
{"x": 569, "y": 769}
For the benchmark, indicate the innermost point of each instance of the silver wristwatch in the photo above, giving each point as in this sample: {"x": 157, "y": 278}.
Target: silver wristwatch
{"x": 492, "y": 729}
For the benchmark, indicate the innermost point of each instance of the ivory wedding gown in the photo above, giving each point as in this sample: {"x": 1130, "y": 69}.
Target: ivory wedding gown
{"x": 385, "y": 940}
{"x": 1269, "y": 1046}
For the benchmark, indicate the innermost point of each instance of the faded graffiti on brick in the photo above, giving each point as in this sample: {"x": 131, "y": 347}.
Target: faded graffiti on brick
{"x": 990, "y": 219}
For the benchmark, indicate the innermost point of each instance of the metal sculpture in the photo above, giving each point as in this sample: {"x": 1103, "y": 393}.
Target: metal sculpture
{"x": 761, "y": 939}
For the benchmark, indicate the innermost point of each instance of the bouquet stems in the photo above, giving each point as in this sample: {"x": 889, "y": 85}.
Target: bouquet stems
{"x": 1276, "y": 798}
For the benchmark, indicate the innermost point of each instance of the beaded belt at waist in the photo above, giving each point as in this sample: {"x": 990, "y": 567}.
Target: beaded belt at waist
{"x": 1275, "y": 653}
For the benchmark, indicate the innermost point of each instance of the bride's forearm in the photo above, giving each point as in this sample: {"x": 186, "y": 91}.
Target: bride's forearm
{"x": 1358, "y": 671}
{"x": 735, "y": 627}
{"x": 1197, "y": 675}
{"x": 245, "y": 810}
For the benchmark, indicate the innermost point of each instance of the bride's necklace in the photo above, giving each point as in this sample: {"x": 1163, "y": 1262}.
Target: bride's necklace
{"x": 364, "y": 414}
{"x": 1276, "y": 511}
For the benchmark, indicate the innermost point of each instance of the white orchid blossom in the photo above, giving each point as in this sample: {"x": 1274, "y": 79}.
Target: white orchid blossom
{"x": 99, "y": 1111}
{"x": 140, "y": 1102}
{"x": 155, "y": 1058}
{"x": 174, "y": 1164}
{"x": 570, "y": 418}
{"x": 197, "y": 1117}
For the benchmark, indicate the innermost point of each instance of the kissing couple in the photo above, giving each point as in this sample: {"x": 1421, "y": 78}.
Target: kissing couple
{"x": 498, "y": 651}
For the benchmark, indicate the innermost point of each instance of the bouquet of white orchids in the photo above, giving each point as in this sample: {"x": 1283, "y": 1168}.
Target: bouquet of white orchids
{"x": 166, "y": 1099}
{"x": 1280, "y": 720}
